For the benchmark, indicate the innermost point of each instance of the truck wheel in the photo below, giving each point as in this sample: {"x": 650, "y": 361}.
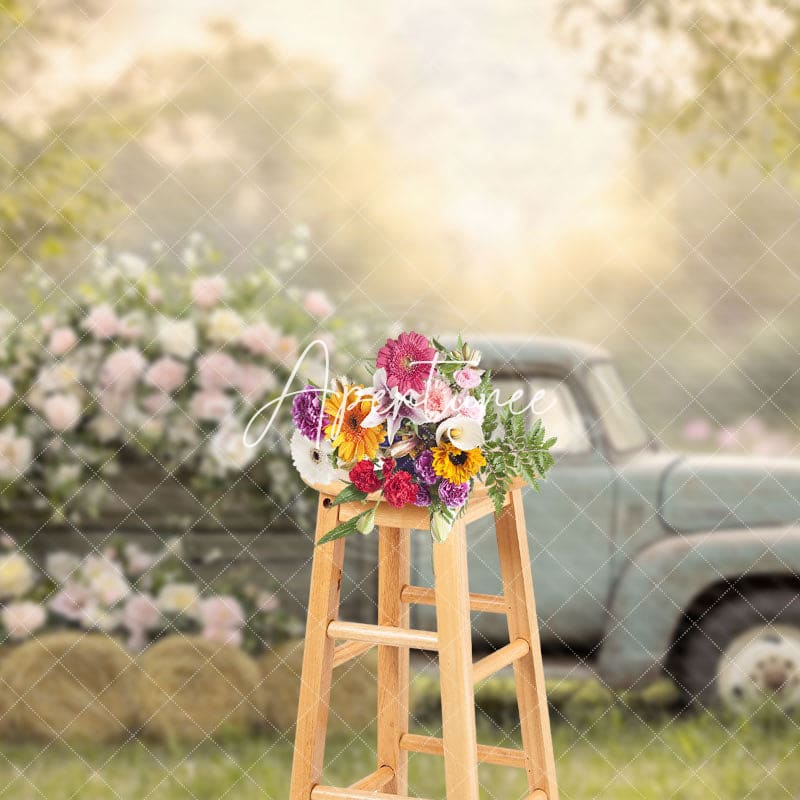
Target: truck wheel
{"x": 745, "y": 653}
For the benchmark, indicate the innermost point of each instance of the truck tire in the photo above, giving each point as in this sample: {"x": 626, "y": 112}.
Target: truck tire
{"x": 744, "y": 653}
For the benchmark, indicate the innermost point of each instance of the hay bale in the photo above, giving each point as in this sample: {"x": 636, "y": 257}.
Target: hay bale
{"x": 67, "y": 686}
{"x": 354, "y": 695}
{"x": 190, "y": 689}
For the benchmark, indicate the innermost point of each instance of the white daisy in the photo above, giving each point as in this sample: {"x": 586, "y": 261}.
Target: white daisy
{"x": 312, "y": 462}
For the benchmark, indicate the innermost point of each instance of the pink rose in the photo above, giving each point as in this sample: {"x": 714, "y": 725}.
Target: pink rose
{"x": 468, "y": 377}
{"x": 21, "y": 620}
{"x": 217, "y": 371}
{"x": 102, "y": 322}
{"x": 468, "y": 406}
{"x": 436, "y": 402}
{"x": 155, "y": 296}
{"x": 166, "y": 374}
{"x": 207, "y": 292}
{"x": 286, "y": 349}
{"x": 138, "y": 561}
{"x": 254, "y": 382}
{"x": 221, "y": 611}
{"x": 61, "y": 341}
{"x": 231, "y": 636}
{"x": 139, "y": 616}
{"x": 260, "y": 339}
{"x": 210, "y": 405}
{"x": 131, "y": 327}
{"x": 122, "y": 369}
{"x": 158, "y": 403}
{"x": 6, "y": 391}
{"x": 222, "y": 618}
{"x": 62, "y": 411}
{"x": 71, "y": 601}
{"x": 697, "y": 430}
{"x": 318, "y": 305}
{"x": 268, "y": 602}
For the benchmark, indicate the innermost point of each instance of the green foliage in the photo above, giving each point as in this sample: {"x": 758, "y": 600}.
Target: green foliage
{"x": 345, "y": 528}
{"x": 348, "y": 495}
{"x": 731, "y": 76}
{"x": 53, "y": 194}
{"x": 513, "y": 451}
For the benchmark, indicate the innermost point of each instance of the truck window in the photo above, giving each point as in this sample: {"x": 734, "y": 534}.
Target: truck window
{"x": 557, "y": 410}
{"x": 623, "y": 427}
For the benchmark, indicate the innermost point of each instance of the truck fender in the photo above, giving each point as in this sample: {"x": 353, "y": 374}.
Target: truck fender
{"x": 660, "y": 582}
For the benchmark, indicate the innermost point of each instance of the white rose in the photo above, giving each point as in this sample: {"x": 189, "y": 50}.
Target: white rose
{"x": 132, "y": 265}
{"x": 179, "y": 598}
{"x": 178, "y": 337}
{"x": 62, "y": 411}
{"x": 105, "y": 428}
{"x": 60, "y": 566}
{"x": 17, "y": 575}
{"x": 21, "y": 620}
{"x": 16, "y": 454}
{"x": 225, "y": 326}
{"x": 105, "y": 580}
{"x": 93, "y": 615}
{"x": 229, "y": 450}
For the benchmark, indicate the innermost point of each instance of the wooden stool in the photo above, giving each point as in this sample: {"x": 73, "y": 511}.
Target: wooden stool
{"x": 453, "y": 640}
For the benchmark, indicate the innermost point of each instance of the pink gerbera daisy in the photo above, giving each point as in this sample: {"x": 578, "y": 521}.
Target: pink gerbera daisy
{"x": 408, "y": 361}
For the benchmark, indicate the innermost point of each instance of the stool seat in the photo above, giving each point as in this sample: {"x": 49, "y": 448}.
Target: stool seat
{"x": 478, "y": 505}
{"x": 452, "y": 640}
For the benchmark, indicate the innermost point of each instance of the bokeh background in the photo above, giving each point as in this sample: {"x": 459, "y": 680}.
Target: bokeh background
{"x": 615, "y": 171}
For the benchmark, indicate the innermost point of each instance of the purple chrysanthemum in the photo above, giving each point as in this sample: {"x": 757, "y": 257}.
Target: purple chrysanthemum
{"x": 453, "y": 495}
{"x": 307, "y": 412}
{"x": 423, "y": 466}
{"x": 423, "y": 497}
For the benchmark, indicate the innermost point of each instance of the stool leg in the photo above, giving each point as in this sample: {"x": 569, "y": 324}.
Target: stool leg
{"x": 455, "y": 665}
{"x": 315, "y": 686}
{"x": 515, "y": 568}
{"x": 394, "y": 572}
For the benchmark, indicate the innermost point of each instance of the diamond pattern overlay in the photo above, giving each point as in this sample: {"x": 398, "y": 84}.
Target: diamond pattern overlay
{"x": 607, "y": 744}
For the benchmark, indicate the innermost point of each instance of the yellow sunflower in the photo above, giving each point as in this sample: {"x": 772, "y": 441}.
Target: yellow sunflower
{"x": 347, "y": 410}
{"x": 457, "y": 466}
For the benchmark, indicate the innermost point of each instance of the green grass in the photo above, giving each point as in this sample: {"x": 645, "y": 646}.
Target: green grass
{"x": 605, "y": 748}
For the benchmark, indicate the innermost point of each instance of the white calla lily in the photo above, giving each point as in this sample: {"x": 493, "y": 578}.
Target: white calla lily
{"x": 462, "y": 432}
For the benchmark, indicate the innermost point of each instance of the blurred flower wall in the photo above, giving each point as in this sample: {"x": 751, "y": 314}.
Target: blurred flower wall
{"x": 167, "y": 365}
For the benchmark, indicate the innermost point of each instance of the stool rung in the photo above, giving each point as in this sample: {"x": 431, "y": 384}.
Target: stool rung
{"x": 491, "y": 603}
{"x": 335, "y": 793}
{"x": 375, "y": 780}
{"x": 500, "y": 658}
{"x": 383, "y": 634}
{"x": 345, "y": 652}
{"x": 489, "y": 754}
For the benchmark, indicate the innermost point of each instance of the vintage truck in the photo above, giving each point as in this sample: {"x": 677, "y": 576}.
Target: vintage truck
{"x": 647, "y": 561}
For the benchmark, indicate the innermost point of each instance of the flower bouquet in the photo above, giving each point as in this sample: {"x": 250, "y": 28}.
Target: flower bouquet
{"x": 425, "y": 433}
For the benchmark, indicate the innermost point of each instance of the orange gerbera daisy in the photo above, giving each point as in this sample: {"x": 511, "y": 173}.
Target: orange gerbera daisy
{"x": 347, "y": 410}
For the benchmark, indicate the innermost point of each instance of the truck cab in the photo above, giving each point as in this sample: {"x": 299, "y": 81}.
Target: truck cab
{"x": 647, "y": 561}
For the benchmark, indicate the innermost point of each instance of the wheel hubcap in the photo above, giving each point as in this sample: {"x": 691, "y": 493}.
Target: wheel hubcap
{"x": 760, "y": 665}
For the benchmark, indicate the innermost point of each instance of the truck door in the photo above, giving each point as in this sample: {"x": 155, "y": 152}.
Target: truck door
{"x": 569, "y": 524}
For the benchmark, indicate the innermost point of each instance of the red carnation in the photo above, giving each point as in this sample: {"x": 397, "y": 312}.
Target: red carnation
{"x": 364, "y": 478}
{"x": 388, "y": 467}
{"x": 399, "y": 489}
